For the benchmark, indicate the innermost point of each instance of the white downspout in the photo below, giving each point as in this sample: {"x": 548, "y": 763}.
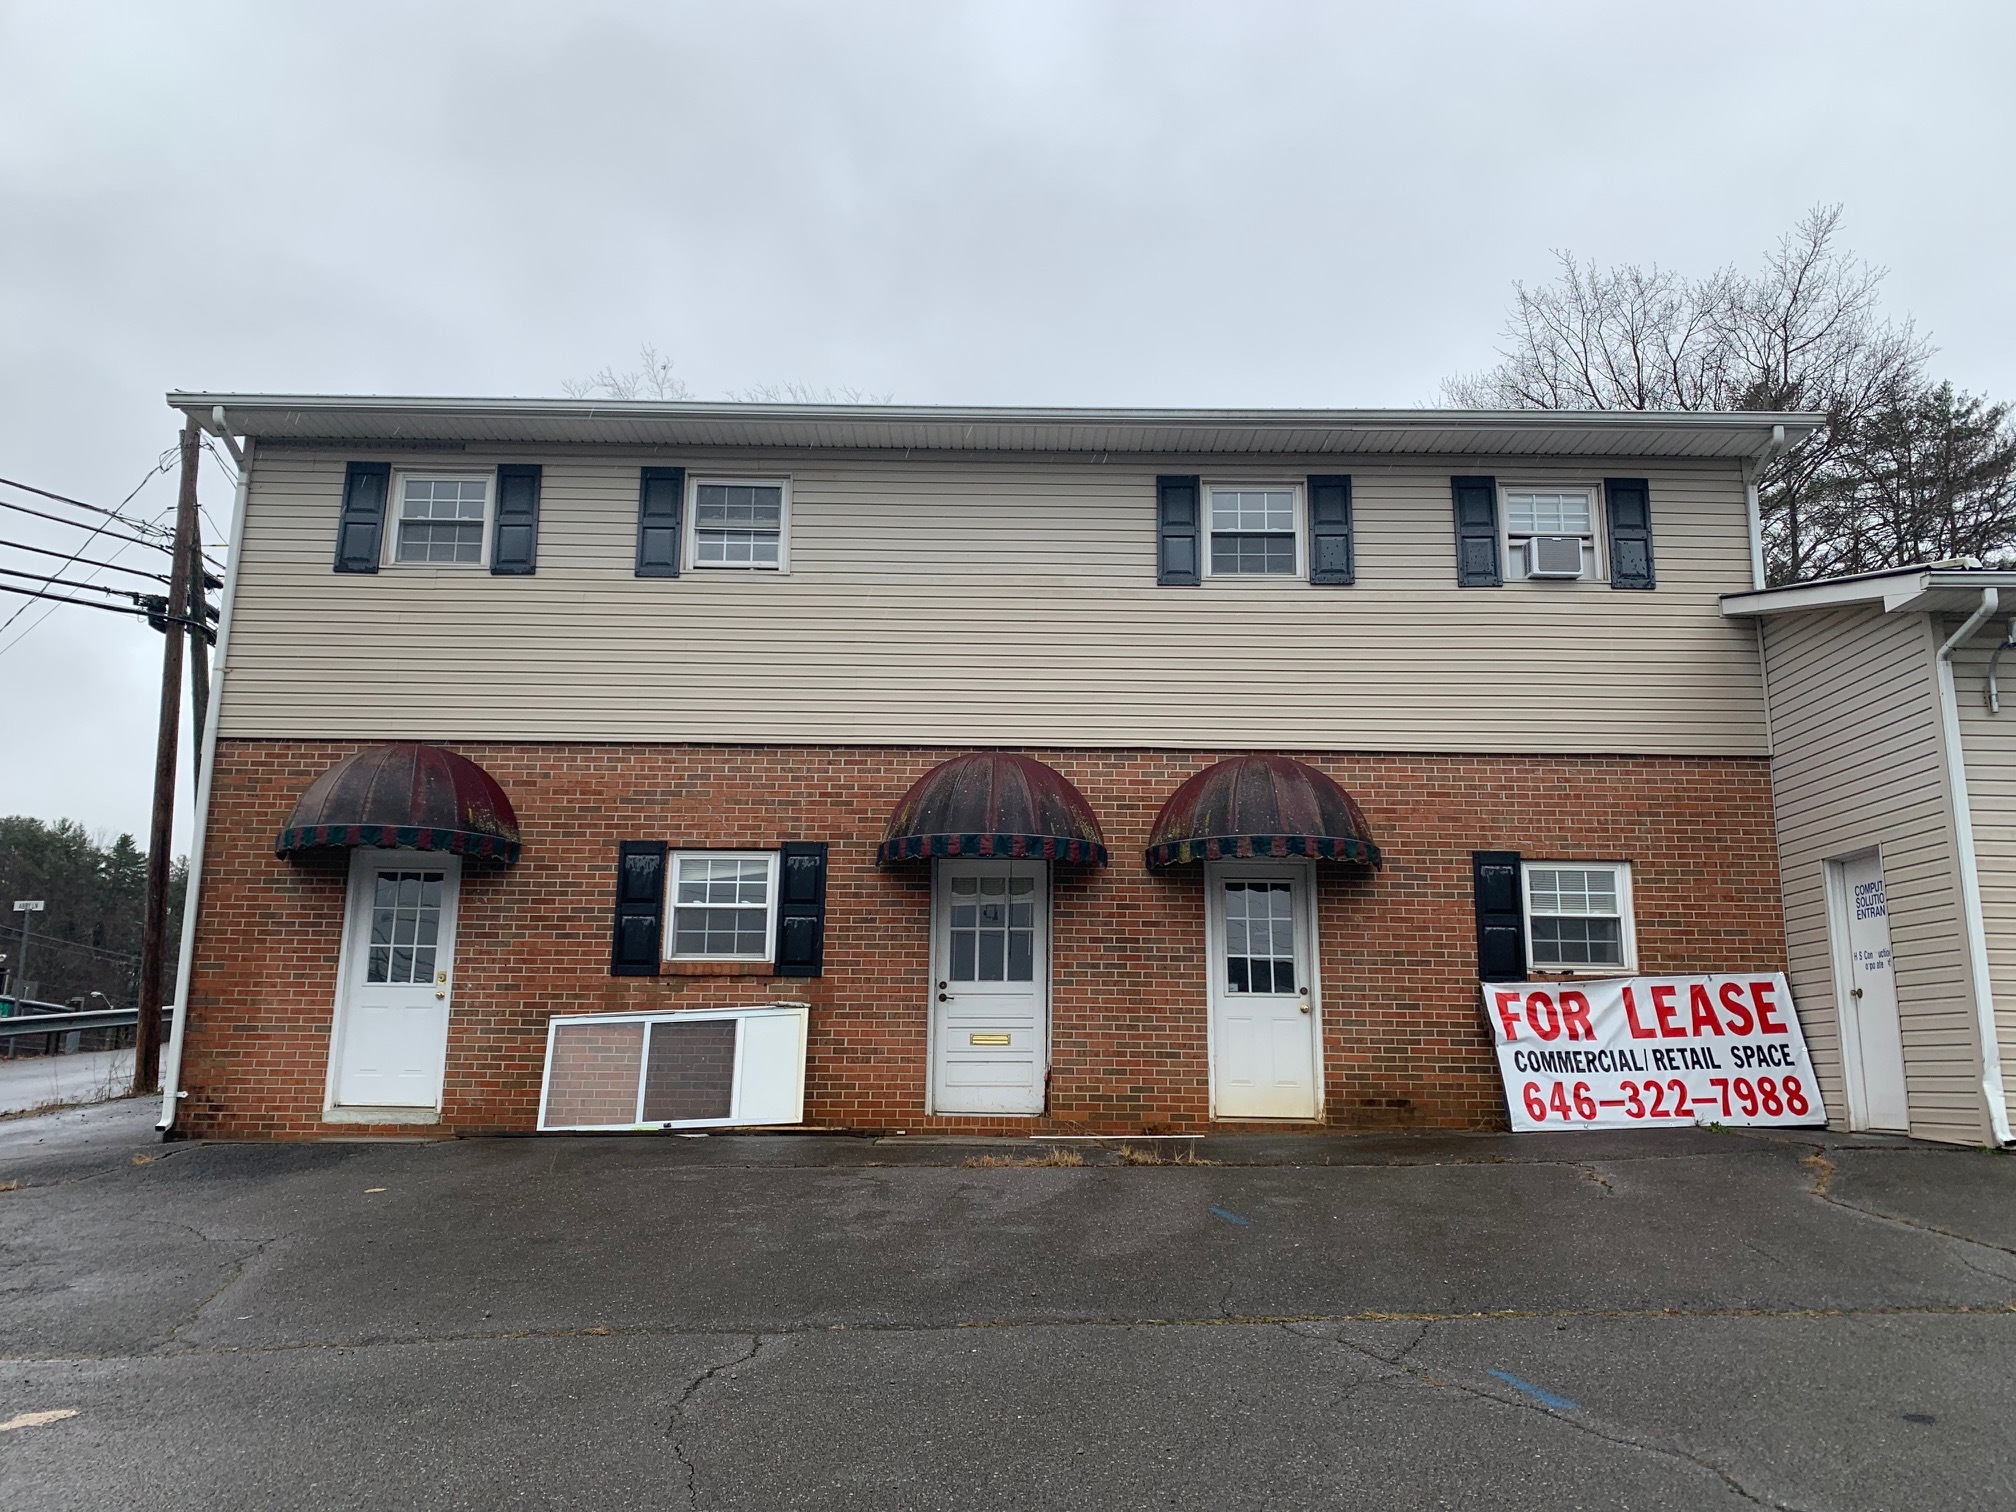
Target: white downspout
{"x": 1753, "y": 511}
{"x": 206, "y": 766}
{"x": 1970, "y": 879}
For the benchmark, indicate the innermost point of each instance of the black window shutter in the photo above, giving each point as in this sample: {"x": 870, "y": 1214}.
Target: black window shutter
{"x": 1628, "y": 502}
{"x": 661, "y": 498}
{"x": 640, "y": 908}
{"x": 1330, "y": 555}
{"x": 1476, "y": 501}
{"x": 361, "y": 527}
{"x": 1179, "y": 509}
{"x": 1501, "y": 916}
{"x": 801, "y": 908}
{"x": 514, "y": 548}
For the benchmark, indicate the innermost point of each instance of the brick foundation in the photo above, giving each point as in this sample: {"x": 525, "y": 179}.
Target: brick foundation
{"x": 1404, "y": 1041}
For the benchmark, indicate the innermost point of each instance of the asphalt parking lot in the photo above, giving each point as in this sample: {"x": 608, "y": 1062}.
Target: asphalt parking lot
{"x": 1690, "y": 1319}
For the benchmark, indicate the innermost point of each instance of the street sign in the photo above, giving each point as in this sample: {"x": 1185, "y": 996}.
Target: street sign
{"x": 27, "y": 906}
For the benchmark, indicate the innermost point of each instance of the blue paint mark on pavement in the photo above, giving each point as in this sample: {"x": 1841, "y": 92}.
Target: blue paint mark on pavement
{"x": 1539, "y": 1393}
{"x": 1230, "y": 1217}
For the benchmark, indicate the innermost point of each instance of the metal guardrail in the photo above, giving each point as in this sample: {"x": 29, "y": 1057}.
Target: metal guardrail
{"x": 20, "y": 1024}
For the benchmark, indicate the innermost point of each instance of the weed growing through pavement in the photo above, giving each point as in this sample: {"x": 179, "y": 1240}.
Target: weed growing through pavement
{"x": 1054, "y": 1157}
{"x": 1186, "y": 1156}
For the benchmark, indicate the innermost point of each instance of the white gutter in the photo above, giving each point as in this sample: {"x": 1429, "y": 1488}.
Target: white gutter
{"x": 206, "y": 766}
{"x": 1753, "y": 511}
{"x": 1970, "y": 880}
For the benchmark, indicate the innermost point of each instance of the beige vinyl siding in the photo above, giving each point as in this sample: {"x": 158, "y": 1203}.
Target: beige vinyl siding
{"x": 1859, "y": 763}
{"x": 1988, "y": 742}
{"x": 961, "y": 601}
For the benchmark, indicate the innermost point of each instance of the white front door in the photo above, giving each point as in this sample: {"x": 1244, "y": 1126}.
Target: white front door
{"x": 990, "y": 999}
{"x": 1871, "y": 1039}
{"x": 398, "y": 967}
{"x": 1263, "y": 992}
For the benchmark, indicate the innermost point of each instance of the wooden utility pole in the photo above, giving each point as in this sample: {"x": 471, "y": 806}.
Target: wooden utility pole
{"x": 161, "y": 836}
{"x": 199, "y": 642}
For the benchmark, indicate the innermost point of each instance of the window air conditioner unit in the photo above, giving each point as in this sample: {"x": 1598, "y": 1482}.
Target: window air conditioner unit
{"x": 1554, "y": 557}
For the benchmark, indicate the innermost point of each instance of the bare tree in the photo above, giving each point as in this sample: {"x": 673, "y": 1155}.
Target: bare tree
{"x": 1805, "y": 332}
{"x": 652, "y": 378}
{"x": 806, "y": 393}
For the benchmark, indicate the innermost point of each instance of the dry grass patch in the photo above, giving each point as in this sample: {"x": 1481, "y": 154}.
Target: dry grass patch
{"x": 1052, "y": 1157}
{"x": 1136, "y": 1155}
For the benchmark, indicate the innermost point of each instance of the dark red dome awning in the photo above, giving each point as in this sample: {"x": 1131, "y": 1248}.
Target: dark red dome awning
{"x": 1260, "y": 806}
{"x": 993, "y": 804}
{"x": 405, "y": 797}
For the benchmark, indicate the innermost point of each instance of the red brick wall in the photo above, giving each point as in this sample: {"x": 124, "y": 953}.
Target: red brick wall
{"x": 1404, "y": 1041}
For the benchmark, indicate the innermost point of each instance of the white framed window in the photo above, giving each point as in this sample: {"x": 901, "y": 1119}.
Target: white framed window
{"x": 740, "y": 524}
{"x": 1578, "y": 916}
{"x": 723, "y": 906}
{"x": 1552, "y": 532}
{"x": 1255, "y": 530}
{"x": 440, "y": 520}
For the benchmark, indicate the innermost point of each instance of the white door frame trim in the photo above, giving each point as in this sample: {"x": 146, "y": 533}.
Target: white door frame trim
{"x": 363, "y": 861}
{"x": 938, "y": 967}
{"x": 1214, "y": 959}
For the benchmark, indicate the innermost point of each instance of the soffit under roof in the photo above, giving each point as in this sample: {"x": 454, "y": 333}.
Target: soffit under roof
{"x": 314, "y": 418}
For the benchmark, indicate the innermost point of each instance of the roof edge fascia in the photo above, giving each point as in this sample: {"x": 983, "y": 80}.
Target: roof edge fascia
{"x": 203, "y": 405}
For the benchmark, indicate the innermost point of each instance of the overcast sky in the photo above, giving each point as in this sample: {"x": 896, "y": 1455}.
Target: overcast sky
{"x": 1145, "y": 203}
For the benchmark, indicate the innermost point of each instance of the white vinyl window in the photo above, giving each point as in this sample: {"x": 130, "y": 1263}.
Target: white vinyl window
{"x": 1550, "y": 533}
{"x": 740, "y": 523}
{"x": 1255, "y": 530}
{"x": 723, "y": 906}
{"x": 440, "y": 519}
{"x": 1578, "y": 916}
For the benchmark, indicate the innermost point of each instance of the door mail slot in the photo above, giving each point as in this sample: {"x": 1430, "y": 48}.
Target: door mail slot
{"x": 988, "y": 1039}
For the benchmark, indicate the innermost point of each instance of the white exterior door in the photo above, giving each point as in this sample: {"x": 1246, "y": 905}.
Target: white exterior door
{"x": 1263, "y": 992}
{"x": 990, "y": 995}
{"x": 396, "y": 979}
{"x": 1871, "y": 1039}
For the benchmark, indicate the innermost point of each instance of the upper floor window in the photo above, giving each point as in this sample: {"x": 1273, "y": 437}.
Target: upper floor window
{"x": 1578, "y": 916}
{"x": 1551, "y": 533}
{"x": 1254, "y": 531}
{"x": 740, "y": 522}
{"x": 441, "y": 518}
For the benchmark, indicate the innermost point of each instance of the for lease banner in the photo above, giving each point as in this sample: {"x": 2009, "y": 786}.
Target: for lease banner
{"x": 1651, "y": 1052}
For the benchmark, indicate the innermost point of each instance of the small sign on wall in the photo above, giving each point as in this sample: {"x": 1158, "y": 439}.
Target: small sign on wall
{"x": 1652, "y": 1052}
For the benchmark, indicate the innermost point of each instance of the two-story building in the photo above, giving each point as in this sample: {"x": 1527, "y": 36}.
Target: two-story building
{"x": 607, "y": 765}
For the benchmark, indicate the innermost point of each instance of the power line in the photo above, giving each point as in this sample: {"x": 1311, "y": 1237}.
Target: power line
{"x": 150, "y": 614}
{"x": 95, "y": 509}
{"x": 84, "y": 561}
{"x": 96, "y": 530}
{"x": 58, "y": 582}
{"x": 162, "y": 463}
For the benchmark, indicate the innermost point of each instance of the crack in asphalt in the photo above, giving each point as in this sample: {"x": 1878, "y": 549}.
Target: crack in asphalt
{"x": 1577, "y": 1420}
{"x": 776, "y": 1332}
{"x": 679, "y": 1408}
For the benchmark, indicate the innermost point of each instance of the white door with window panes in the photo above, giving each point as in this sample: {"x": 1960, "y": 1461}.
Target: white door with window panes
{"x": 1264, "y": 1023}
{"x": 990, "y": 1006}
{"x": 397, "y": 978}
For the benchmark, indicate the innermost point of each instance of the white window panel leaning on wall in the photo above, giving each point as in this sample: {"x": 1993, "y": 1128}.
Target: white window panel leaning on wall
{"x": 707, "y": 1069}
